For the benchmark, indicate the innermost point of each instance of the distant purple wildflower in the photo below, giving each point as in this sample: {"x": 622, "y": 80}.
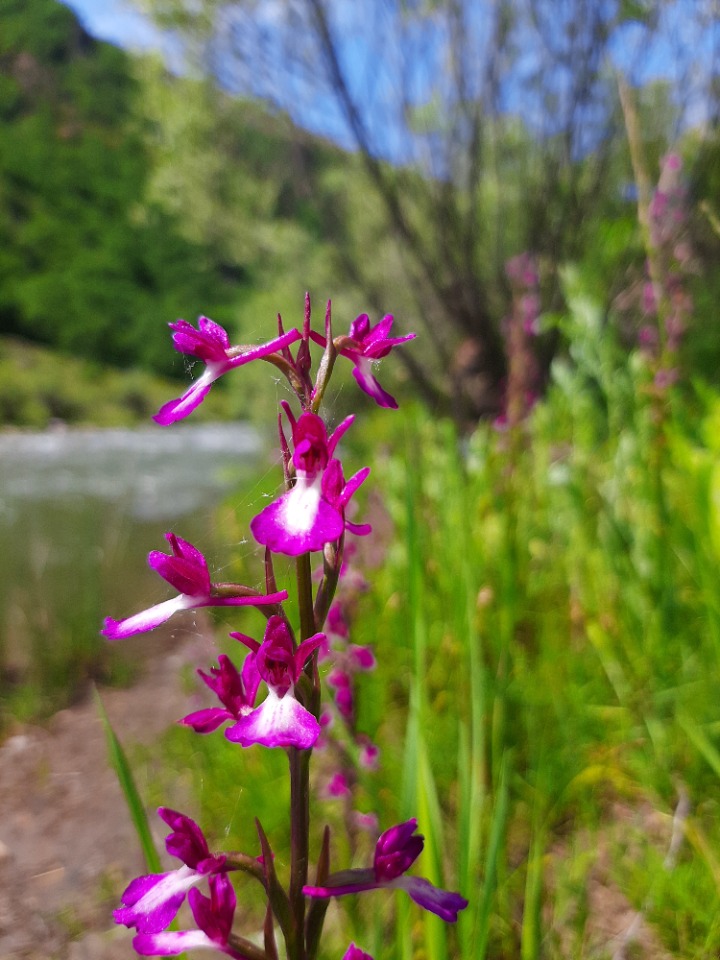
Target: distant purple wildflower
{"x": 211, "y": 344}
{"x": 395, "y": 852}
{"x": 337, "y": 786}
{"x": 185, "y": 569}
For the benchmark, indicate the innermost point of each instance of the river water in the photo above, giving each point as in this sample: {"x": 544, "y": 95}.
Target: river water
{"x": 79, "y": 511}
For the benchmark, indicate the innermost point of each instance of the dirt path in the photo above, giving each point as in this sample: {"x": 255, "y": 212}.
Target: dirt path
{"x": 67, "y": 846}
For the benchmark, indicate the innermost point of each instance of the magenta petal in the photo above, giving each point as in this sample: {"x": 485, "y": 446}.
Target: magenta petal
{"x": 306, "y": 648}
{"x": 183, "y": 406}
{"x": 344, "y": 883}
{"x": 362, "y": 371}
{"x": 359, "y": 529}
{"x": 151, "y": 902}
{"x": 186, "y": 576}
{"x": 171, "y": 943}
{"x": 339, "y": 432}
{"x": 353, "y": 484}
{"x": 265, "y": 349}
{"x": 300, "y": 521}
{"x": 214, "y": 914}
{"x": 146, "y": 619}
{"x": 205, "y": 721}
{"x": 443, "y": 903}
{"x": 277, "y": 722}
{"x": 355, "y": 953}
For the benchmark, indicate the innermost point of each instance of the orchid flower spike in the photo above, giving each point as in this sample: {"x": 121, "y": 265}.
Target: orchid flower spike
{"x": 214, "y": 918}
{"x": 395, "y": 852}
{"x": 236, "y": 691}
{"x": 185, "y": 569}
{"x": 280, "y": 720}
{"x": 303, "y": 519}
{"x": 151, "y": 902}
{"x": 211, "y": 344}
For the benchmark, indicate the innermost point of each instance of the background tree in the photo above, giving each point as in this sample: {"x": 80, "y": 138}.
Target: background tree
{"x": 86, "y": 264}
{"x": 484, "y": 129}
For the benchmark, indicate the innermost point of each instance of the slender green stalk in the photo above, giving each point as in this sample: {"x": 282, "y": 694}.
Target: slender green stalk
{"x": 299, "y": 847}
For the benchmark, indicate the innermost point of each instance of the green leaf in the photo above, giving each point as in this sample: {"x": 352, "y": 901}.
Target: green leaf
{"x": 121, "y": 766}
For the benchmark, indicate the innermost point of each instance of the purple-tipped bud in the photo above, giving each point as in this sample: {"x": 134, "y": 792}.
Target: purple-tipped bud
{"x": 396, "y": 850}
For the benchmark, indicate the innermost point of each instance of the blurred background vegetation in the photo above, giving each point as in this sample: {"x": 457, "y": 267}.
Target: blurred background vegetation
{"x": 546, "y": 613}
{"x": 131, "y": 195}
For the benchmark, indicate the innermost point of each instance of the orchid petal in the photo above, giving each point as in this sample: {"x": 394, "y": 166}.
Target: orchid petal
{"x": 353, "y": 484}
{"x": 339, "y": 432}
{"x": 148, "y": 619}
{"x": 300, "y": 521}
{"x": 277, "y": 722}
{"x": 355, "y": 953}
{"x": 151, "y": 902}
{"x": 205, "y": 721}
{"x": 172, "y": 942}
{"x": 362, "y": 371}
{"x": 442, "y": 903}
{"x": 344, "y": 883}
{"x": 306, "y": 648}
{"x": 183, "y": 406}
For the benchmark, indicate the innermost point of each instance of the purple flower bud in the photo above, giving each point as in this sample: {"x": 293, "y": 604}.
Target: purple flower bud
{"x": 366, "y": 821}
{"x": 396, "y": 850}
{"x": 362, "y": 657}
{"x": 336, "y": 623}
{"x": 369, "y": 754}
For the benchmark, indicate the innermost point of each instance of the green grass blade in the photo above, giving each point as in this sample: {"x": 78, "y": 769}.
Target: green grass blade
{"x": 704, "y": 746}
{"x": 495, "y": 844}
{"x": 121, "y": 766}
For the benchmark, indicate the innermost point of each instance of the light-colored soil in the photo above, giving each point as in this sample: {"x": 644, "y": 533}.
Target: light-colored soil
{"x": 67, "y": 845}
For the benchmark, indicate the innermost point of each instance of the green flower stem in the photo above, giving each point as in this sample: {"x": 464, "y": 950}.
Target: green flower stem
{"x": 305, "y": 597}
{"x": 300, "y": 786}
{"x": 299, "y": 847}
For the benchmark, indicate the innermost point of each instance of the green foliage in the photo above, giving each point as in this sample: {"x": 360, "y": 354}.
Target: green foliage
{"x": 119, "y": 762}
{"x": 87, "y": 265}
{"x": 39, "y": 387}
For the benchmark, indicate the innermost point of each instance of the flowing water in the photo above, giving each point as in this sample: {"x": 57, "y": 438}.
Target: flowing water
{"x": 79, "y": 511}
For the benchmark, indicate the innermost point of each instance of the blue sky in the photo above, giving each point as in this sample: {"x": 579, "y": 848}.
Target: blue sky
{"x": 119, "y": 22}
{"x": 679, "y": 53}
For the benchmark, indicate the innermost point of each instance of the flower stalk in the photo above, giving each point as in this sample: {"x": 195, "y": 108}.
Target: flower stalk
{"x": 309, "y": 522}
